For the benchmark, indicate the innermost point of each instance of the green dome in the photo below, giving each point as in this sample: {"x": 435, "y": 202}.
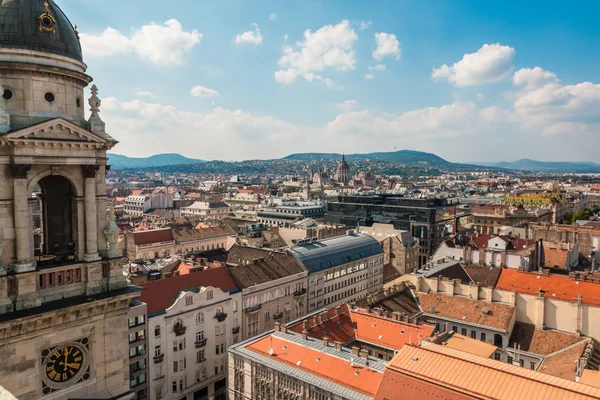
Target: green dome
{"x": 29, "y": 25}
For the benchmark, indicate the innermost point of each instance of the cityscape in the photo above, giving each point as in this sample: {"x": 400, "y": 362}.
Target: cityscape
{"x": 310, "y": 200}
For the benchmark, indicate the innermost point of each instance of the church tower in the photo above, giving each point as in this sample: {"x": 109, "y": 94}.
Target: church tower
{"x": 63, "y": 297}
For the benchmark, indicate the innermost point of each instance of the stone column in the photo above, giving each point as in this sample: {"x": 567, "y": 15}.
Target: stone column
{"x": 91, "y": 221}
{"x": 23, "y": 233}
{"x": 80, "y": 229}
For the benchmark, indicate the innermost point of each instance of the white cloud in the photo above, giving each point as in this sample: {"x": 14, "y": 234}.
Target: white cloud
{"x": 165, "y": 44}
{"x": 567, "y": 129}
{"x": 285, "y": 37}
{"x": 479, "y": 96}
{"x": 365, "y": 25}
{"x": 491, "y": 63}
{"x": 330, "y": 47}
{"x": 534, "y": 78}
{"x": 272, "y": 17}
{"x": 387, "y": 45}
{"x": 143, "y": 93}
{"x": 369, "y": 76}
{"x": 147, "y": 128}
{"x": 451, "y": 120}
{"x": 252, "y": 37}
{"x": 378, "y": 67}
{"x": 201, "y": 91}
{"x": 347, "y": 105}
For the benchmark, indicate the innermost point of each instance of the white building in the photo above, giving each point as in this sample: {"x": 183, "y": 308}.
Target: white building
{"x": 283, "y": 212}
{"x": 206, "y": 210}
{"x": 192, "y": 319}
{"x": 341, "y": 269}
{"x": 137, "y": 205}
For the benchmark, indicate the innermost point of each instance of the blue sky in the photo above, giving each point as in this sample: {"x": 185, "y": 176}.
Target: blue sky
{"x": 460, "y": 77}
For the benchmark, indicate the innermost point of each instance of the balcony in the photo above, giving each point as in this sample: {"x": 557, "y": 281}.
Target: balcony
{"x": 137, "y": 339}
{"x": 200, "y": 360}
{"x": 200, "y": 343}
{"x": 158, "y": 378}
{"x": 179, "y": 329}
{"x": 158, "y": 358}
{"x": 235, "y": 330}
{"x": 253, "y": 309}
{"x": 300, "y": 293}
{"x": 220, "y": 316}
{"x": 278, "y": 316}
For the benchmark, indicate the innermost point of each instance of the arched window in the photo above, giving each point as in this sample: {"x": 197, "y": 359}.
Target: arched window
{"x": 199, "y": 318}
{"x": 498, "y": 340}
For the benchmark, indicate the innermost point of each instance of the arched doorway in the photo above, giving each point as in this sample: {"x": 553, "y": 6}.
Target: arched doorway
{"x": 57, "y": 227}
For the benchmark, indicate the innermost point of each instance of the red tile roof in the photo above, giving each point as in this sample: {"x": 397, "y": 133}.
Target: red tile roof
{"x": 554, "y": 286}
{"x": 346, "y": 325}
{"x": 154, "y": 236}
{"x": 328, "y": 366}
{"x": 160, "y": 294}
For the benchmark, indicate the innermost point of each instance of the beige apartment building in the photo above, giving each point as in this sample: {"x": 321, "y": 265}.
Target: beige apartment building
{"x": 273, "y": 287}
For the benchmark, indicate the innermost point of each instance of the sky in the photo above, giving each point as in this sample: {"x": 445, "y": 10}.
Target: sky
{"x": 468, "y": 80}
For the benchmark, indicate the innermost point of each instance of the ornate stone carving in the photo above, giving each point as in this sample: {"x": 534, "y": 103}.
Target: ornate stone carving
{"x": 89, "y": 171}
{"x": 111, "y": 232}
{"x": 95, "y": 122}
{"x": 19, "y": 171}
{"x": 56, "y": 169}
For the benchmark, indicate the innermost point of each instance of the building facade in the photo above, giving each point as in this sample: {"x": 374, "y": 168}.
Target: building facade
{"x": 138, "y": 205}
{"x": 273, "y": 285}
{"x": 425, "y": 219}
{"x": 284, "y": 212}
{"x": 138, "y": 340}
{"x": 64, "y": 301}
{"x": 190, "y": 326}
{"x": 341, "y": 269}
{"x": 207, "y": 211}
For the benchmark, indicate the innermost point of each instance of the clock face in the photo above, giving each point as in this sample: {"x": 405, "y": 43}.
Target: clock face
{"x": 63, "y": 363}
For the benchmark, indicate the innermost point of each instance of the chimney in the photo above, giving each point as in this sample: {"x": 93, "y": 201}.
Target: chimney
{"x": 284, "y": 328}
{"x": 304, "y": 335}
{"x": 325, "y": 341}
{"x": 305, "y": 324}
{"x": 338, "y": 345}
{"x": 277, "y": 327}
{"x": 363, "y": 353}
{"x": 317, "y": 319}
{"x": 355, "y": 350}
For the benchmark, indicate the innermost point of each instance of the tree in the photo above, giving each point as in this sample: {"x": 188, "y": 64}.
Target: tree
{"x": 567, "y": 218}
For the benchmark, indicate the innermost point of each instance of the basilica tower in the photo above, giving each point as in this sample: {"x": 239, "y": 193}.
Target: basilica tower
{"x": 62, "y": 291}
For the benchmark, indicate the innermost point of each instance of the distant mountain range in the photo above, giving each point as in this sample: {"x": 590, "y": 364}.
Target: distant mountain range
{"x": 397, "y": 159}
{"x": 118, "y": 161}
{"x": 545, "y": 166}
{"x": 400, "y": 156}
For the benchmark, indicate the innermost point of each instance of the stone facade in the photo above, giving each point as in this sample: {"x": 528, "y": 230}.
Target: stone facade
{"x": 64, "y": 301}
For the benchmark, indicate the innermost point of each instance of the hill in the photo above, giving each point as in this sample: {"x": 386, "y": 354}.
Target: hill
{"x": 400, "y": 156}
{"x": 118, "y": 161}
{"x": 547, "y": 166}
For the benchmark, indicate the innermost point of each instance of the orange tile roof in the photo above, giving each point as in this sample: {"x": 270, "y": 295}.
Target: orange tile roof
{"x": 554, "y": 286}
{"x": 470, "y": 376}
{"x": 387, "y": 333}
{"x": 329, "y": 367}
{"x": 564, "y": 363}
{"x": 183, "y": 268}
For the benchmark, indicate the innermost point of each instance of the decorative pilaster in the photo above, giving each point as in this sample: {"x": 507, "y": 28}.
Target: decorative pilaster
{"x": 23, "y": 233}
{"x": 91, "y": 223}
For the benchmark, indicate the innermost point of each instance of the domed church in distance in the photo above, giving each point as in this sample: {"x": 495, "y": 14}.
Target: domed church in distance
{"x": 65, "y": 306}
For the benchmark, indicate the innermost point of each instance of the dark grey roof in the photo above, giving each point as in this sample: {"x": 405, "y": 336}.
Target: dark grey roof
{"x": 20, "y": 29}
{"x": 332, "y": 252}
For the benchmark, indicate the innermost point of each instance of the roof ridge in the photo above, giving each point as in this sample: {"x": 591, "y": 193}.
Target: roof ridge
{"x": 489, "y": 363}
